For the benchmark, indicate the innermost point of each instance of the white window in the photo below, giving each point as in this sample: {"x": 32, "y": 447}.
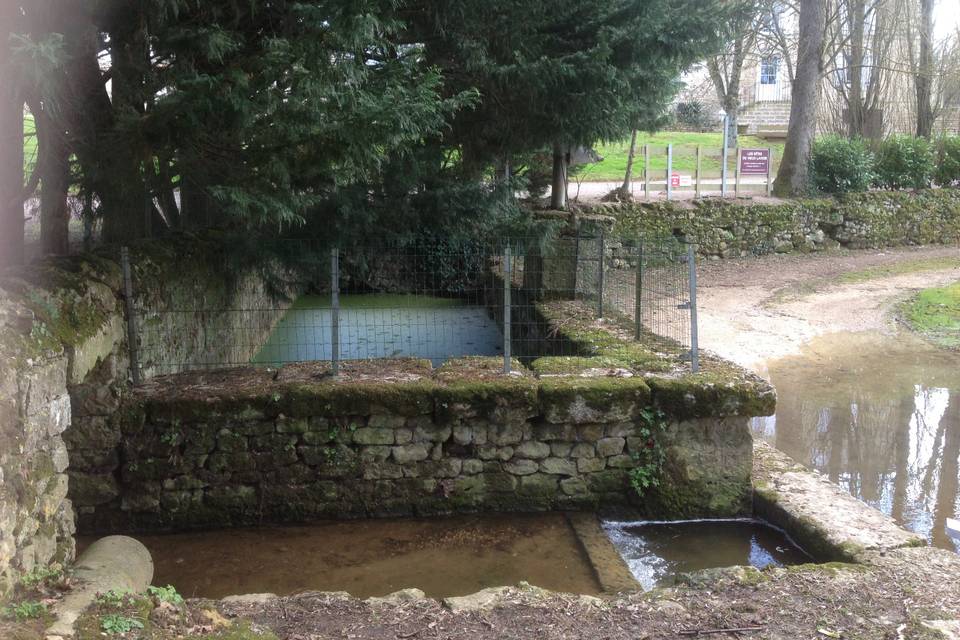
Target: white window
{"x": 769, "y": 69}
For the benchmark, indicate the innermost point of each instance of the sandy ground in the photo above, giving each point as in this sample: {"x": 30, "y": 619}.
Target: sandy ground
{"x": 753, "y": 310}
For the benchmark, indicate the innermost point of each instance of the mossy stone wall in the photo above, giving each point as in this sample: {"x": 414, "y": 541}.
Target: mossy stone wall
{"x": 64, "y": 371}
{"x": 442, "y": 441}
{"x": 730, "y": 229}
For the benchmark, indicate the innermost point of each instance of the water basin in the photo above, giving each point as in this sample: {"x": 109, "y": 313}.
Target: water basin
{"x": 657, "y": 552}
{"x": 383, "y": 326}
{"x": 442, "y": 556}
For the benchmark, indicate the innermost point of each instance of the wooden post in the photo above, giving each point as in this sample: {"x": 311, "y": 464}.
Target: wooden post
{"x": 696, "y": 188}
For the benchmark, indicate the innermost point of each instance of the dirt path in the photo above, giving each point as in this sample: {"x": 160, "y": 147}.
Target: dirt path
{"x": 756, "y": 309}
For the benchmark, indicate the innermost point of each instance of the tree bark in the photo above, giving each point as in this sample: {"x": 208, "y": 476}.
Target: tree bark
{"x": 793, "y": 175}
{"x": 54, "y": 158}
{"x": 857, "y": 16}
{"x": 628, "y": 174}
{"x": 558, "y": 189}
{"x": 924, "y": 78}
{"x": 11, "y": 147}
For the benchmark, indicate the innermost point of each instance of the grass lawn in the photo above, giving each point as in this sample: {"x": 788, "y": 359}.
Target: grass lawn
{"x": 684, "y": 155}
{"x": 935, "y": 313}
{"x": 29, "y": 144}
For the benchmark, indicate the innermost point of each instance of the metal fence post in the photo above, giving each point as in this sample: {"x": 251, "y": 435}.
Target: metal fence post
{"x": 736, "y": 173}
{"x": 694, "y": 346}
{"x": 646, "y": 171}
{"x": 723, "y": 159}
{"x": 638, "y": 295}
{"x": 507, "y": 280}
{"x": 600, "y": 279}
{"x": 696, "y": 189}
{"x": 131, "y": 315}
{"x": 669, "y": 170}
{"x": 335, "y": 311}
{"x": 769, "y": 170}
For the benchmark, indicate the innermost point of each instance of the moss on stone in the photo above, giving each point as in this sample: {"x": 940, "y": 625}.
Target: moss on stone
{"x": 712, "y": 394}
{"x": 559, "y": 396}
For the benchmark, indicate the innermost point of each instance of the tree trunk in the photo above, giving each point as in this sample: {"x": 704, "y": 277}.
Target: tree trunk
{"x": 558, "y": 189}
{"x": 628, "y": 174}
{"x": 733, "y": 111}
{"x": 11, "y": 148}
{"x": 54, "y": 161}
{"x": 855, "y": 107}
{"x": 924, "y": 77}
{"x": 793, "y": 175}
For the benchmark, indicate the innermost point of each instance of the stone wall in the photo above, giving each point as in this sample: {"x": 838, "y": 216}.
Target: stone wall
{"x": 64, "y": 370}
{"x": 248, "y": 449}
{"x": 725, "y": 229}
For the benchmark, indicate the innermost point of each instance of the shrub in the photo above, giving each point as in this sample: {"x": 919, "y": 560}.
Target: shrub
{"x": 948, "y": 161}
{"x": 840, "y": 165}
{"x": 693, "y": 116}
{"x": 904, "y": 162}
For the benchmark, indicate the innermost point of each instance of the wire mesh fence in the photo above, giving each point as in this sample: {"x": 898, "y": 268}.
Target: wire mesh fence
{"x": 432, "y": 299}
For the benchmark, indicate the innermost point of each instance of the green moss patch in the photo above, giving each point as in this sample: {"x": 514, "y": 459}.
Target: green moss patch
{"x": 935, "y": 314}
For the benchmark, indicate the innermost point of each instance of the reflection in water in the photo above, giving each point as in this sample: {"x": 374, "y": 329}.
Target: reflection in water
{"x": 880, "y": 416}
{"x": 657, "y": 552}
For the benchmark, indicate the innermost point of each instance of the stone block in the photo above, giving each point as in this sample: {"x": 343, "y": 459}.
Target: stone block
{"x": 505, "y": 434}
{"x": 472, "y": 466}
{"x": 410, "y": 453}
{"x": 589, "y": 432}
{"x": 521, "y": 467}
{"x": 591, "y": 465}
{"x": 92, "y": 489}
{"x": 292, "y": 425}
{"x": 430, "y": 432}
{"x": 620, "y": 430}
{"x": 561, "y": 449}
{"x": 381, "y": 470}
{"x": 574, "y": 487}
{"x": 386, "y": 421}
{"x": 403, "y": 435}
{"x": 325, "y": 436}
{"x": 554, "y": 431}
{"x": 583, "y": 450}
{"x": 369, "y": 435}
{"x": 228, "y": 441}
{"x": 463, "y": 434}
{"x": 621, "y": 462}
{"x": 559, "y": 466}
{"x": 538, "y": 484}
{"x": 608, "y": 481}
{"x": 533, "y": 450}
{"x": 607, "y": 447}
{"x": 500, "y": 482}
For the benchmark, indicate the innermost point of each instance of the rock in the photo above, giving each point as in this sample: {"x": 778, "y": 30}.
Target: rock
{"x": 607, "y": 447}
{"x": 411, "y": 453}
{"x": 521, "y": 467}
{"x": 533, "y": 450}
{"x": 368, "y": 435}
{"x": 590, "y": 465}
{"x": 397, "y": 597}
{"x": 559, "y": 466}
{"x": 249, "y": 598}
{"x": 480, "y": 601}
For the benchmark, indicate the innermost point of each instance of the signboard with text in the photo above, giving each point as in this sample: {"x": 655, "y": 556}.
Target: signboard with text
{"x": 754, "y": 161}
{"x": 679, "y": 180}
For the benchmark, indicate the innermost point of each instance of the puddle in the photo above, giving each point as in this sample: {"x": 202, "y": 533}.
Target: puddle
{"x": 880, "y": 416}
{"x": 383, "y": 326}
{"x": 442, "y": 556}
{"x": 657, "y": 551}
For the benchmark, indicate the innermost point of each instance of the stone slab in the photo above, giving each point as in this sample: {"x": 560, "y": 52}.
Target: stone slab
{"x": 823, "y": 518}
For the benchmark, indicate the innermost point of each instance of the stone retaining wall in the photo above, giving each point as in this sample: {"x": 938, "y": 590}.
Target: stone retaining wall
{"x": 725, "y": 229}
{"x": 64, "y": 371}
{"x": 250, "y": 450}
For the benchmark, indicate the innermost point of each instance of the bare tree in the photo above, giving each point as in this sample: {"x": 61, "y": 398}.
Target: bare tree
{"x": 923, "y": 78}
{"x": 792, "y": 177}
{"x": 726, "y": 67}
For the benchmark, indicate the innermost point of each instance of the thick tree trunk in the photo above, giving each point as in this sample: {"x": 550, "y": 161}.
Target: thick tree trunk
{"x": 54, "y": 184}
{"x": 924, "y": 77}
{"x": 733, "y": 111}
{"x": 11, "y": 149}
{"x": 558, "y": 190}
{"x": 631, "y": 154}
{"x": 855, "y": 108}
{"x": 793, "y": 175}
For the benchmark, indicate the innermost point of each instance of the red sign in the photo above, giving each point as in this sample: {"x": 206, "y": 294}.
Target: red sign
{"x": 675, "y": 179}
{"x": 755, "y": 161}
{"x": 680, "y": 180}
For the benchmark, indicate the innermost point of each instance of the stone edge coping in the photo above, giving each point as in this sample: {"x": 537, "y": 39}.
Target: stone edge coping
{"x": 410, "y": 385}
{"x": 825, "y": 520}
{"x": 609, "y": 566}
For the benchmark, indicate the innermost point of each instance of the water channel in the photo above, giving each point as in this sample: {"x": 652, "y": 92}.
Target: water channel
{"x": 880, "y": 416}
